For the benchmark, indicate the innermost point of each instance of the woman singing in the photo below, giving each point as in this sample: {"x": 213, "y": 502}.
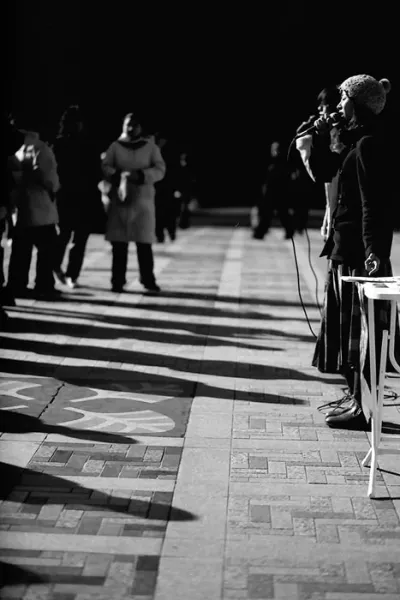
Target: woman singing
{"x": 361, "y": 236}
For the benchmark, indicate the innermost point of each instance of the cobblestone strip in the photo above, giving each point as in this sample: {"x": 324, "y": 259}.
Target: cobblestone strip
{"x": 192, "y": 558}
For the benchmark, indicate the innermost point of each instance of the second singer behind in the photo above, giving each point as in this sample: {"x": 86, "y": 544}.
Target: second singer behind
{"x": 360, "y": 239}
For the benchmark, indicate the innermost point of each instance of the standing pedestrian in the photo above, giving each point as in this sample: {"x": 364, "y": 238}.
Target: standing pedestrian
{"x": 131, "y": 166}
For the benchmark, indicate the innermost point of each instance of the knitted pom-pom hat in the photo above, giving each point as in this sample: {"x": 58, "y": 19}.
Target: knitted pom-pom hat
{"x": 367, "y": 91}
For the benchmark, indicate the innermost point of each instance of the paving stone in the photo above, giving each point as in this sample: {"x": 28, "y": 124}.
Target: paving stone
{"x": 111, "y": 470}
{"x": 171, "y": 461}
{"x": 260, "y": 514}
{"x": 260, "y": 586}
{"x": 303, "y": 527}
{"x": 50, "y": 512}
{"x": 76, "y": 559}
{"x": 93, "y": 466}
{"x": 77, "y": 461}
{"x": 110, "y": 529}
{"x": 153, "y": 455}
{"x": 144, "y": 583}
{"x": 61, "y": 456}
{"x": 281, "y": 519}
{"x": 89, "y": 526}
{"x": 257, "y": 462}
{"x": 327, "y": 533}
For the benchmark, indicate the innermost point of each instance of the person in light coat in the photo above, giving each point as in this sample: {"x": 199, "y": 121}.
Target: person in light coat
{"x": 131, "y": 166}
{"x": 34, "y": 196}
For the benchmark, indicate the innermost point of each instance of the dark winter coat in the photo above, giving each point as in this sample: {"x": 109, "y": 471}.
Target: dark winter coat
{"x": 363, "y": 220}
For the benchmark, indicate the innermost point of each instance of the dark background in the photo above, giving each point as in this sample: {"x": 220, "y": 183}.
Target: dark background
{"x": 223, "y": 82}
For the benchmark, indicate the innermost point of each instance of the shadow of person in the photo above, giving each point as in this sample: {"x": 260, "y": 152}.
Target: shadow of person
{"x": 106, "y": 379}
{"x": 222, "y": 368}
{"x": 221, "y": 330}
{"x": 14, "y": 422}
{"x": 11, "y": 574}
{"x": 390, "y": 428}
{"x": 87, "y": 499}
{"x": 138, "y": 330}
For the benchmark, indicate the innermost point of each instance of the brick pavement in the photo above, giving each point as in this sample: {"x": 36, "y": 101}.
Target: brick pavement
{"x": 170, "y": 448}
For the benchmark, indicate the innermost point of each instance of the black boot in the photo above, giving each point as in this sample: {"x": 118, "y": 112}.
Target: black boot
{"x": 4, "y": 320}
{"x": 351, "y": 418}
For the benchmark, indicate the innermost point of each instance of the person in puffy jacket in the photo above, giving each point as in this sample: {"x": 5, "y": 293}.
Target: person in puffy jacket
{"x": 34, "y": 195}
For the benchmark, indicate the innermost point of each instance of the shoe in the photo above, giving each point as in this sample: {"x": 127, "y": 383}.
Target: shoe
{"x": 51, "y": 294}
{"x": 59, "y": 273}
{"x": 117, "y": 289}
{"x": 71, "y": 283}
{"x": 7, "y": 297}
{"x": 4, "y": 320}
{"x": 352, "y": 418}
{"x": 152, "y": 287}
{"x": 22, "y": 293}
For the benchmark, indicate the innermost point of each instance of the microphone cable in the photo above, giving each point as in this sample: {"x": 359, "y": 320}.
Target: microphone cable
{"x": 313, "y": 271}
{"x": 309, "y": 259}
{"x": 299, "y": 288}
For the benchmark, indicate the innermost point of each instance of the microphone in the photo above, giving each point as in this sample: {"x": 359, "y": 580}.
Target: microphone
{"x": 331, "y": 120}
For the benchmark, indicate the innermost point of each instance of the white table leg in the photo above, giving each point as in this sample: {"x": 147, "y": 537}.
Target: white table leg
{"x": 367, "y": 458}
{"x": 371, "y": 455}
{"x": 376, "y": 427}
{"x": 372, "y": 474}
{"x": 372, "y": 368}
{"x": 392, "y": 335}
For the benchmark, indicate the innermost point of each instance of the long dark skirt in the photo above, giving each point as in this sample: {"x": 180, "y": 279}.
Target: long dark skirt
{"x": 342, "y": 343}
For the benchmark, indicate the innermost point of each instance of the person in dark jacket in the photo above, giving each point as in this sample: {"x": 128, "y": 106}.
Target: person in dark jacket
{"x": 275, "y": 194}
{"x": 184, "y": 191}
{"x": 168, "y": 203}
{"x": 327, "y": 99}
{"x": 326, "y": 359}
{"x": 76, "y": 199}
{"x": 361, "y": 236}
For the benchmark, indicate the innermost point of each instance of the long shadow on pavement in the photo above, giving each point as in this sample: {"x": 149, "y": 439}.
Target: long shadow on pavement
{"x": 197, "y": 335}
{"x": 212, "y": 331}
{"x": 14, "y": 422}
{"x": 205, "y": 367}
{"x": 12, "y": 476}
{"x": 11, "y": 575}
{"x": 58, "y": 311}
{"x": 107, "y": 378}
{"x": 213, "y": 297}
